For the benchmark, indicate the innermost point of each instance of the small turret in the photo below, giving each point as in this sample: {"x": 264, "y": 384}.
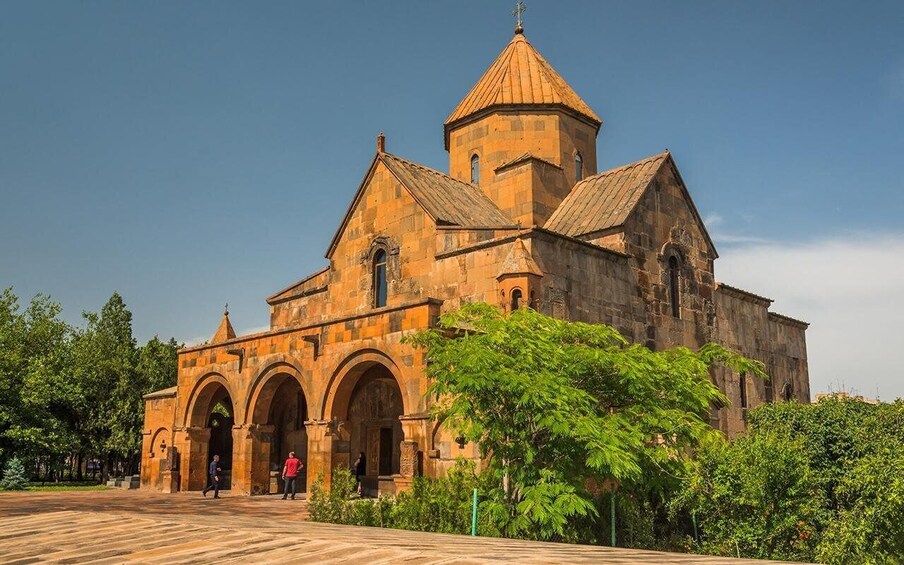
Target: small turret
{"x": 225, "y": 331}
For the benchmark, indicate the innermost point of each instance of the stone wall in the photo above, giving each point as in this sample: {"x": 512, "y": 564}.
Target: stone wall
{"x": 502, "y": 136}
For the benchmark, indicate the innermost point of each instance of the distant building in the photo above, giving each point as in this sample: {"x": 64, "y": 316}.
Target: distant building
{"x": 844, "y": 395}
{"x": 522, "y": 219}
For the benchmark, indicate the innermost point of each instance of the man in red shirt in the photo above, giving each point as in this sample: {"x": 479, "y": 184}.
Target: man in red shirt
{"x": 290, "y": 473}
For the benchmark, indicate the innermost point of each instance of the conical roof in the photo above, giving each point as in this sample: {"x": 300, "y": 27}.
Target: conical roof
{"x": 225, "y": 331}
{"x": 519, "y": 262}
{"x": 520, "y": 76}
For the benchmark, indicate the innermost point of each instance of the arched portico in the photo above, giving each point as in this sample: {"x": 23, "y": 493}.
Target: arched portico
{"x": 276, "y": 415}
{"x": 363, "y": 411}
{"x": 209, "y": 421}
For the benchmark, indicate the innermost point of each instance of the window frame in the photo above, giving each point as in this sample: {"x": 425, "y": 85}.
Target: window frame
{"x": 516, "y": 299}
{"x": 673, "y": 268}
{"x": 475, "y": 168}
{"x": 379, "y": 265}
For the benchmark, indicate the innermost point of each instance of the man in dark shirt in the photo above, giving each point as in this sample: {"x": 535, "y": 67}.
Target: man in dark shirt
{"x": 214, "y": 471}
{"x": 290, "y": 474}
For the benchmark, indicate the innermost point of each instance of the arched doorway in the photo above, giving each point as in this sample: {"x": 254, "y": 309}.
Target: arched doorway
{"x": 370, "y": 424}
{"x": 220, "y": 424}
{"x": 210, "y": 433}
{"x": 281, "y": 409}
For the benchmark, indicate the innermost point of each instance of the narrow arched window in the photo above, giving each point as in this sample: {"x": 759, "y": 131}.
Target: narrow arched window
{"x": 516, "y": 299}
{"x": 742, "y": 384}
{"x": 675, "y": 286}
{"x": 380, "y": 279}
{"x": 578, "y": 167}
{"x": 788, "y": 392}
{"x": 475, "y": 169}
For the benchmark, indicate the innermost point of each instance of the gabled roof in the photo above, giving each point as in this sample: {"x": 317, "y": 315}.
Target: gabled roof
{"x": 523, "y": 158}
{"x": 607, "y": 199}
{"x": 520, "y": 76}
{"x": 308, "y": 285}
{"x": 448, "y": 201}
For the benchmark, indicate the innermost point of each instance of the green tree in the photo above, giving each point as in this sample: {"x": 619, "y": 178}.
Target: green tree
{"x": 12, "y": 368}
{"x": 561, "y": 410}
{"x": 821, "y": 481}
{"x": 757, "y": 497}
{"x": 14, "y": 476}
{"x": 40, "y": 422}
{"x": 107, "y": 356}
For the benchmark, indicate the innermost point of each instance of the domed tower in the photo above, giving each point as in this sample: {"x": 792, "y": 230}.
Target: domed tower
{"x": 522, "y": 135}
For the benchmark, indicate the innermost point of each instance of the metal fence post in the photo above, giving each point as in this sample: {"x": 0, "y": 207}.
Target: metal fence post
{"x": 474, "y": 515}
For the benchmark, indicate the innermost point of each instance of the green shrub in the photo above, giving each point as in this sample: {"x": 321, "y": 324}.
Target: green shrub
{"x": 332, "y": 505}
{"x": 14, "y": 476}
{"x": 431, "y": 505}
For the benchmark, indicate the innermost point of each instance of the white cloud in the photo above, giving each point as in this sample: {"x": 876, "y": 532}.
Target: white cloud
{"x": 714, "y": 224}
{"x": 851, "y": 290}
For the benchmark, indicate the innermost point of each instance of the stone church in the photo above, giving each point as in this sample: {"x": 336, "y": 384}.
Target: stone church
{"x": 522, "y": 218}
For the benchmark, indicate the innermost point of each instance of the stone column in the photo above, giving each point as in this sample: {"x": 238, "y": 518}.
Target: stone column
{"x": 194, "y": 457}
{"x": 169, "y": 471}
{"x": 261, "y": 440}
{"x": 414, "y": 430}
{"x": 241, "y": 460}
{"x": 321, "y": 435}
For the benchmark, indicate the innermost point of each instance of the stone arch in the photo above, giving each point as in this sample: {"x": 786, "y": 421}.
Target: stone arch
{"x": 208, "y": 422}
{"x": 393, "y": 268}
{"x": 155, "y": 458}
{"x": 259, "y": 384}
{"x": 276, "y": 412}
{"x": 673, "y": 249}
{"x": 347, "y": 374}
{"x": 162, "y": 433}
{"x": 675, "y": 275}
{"x": 365, "y": 405}
{"x": 200, "y": 397}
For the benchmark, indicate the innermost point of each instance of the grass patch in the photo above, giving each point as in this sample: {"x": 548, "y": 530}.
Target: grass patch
{"x": 65, "y": 487}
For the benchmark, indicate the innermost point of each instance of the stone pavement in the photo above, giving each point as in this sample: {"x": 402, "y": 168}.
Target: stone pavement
{"x": 138, "y": 527}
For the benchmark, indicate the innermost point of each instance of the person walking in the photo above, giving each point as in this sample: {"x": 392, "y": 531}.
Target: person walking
{"x": 213, "y": 471}
{"x": 290, "y": 474}
{"x": 360, "y": 471}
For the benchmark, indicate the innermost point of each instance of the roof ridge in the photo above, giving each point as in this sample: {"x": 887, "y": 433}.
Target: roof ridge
{"x": 524, "y": 157}
{"x": 426, "y": 168}
{"x": 626, "y": 166}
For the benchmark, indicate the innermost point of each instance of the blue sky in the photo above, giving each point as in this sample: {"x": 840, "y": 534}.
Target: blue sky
{"x": 187, "y": 154}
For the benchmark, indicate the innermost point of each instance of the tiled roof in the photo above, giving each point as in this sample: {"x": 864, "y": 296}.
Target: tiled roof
{"x": 604, "y": 200}
{"x": 743, "y": 294}
{"x": 520, "y": 76}
{"x": 524, "y": 157}
{"x": 519, "y": 261}
{"x": 787, "y": 320}
{"x": 308, "y": 285}
{"x": 448, "y": 201}
{"x": 163, "y": 393}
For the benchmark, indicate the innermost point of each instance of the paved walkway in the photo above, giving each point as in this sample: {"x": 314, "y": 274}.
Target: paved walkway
{"x": 137, "y": 527}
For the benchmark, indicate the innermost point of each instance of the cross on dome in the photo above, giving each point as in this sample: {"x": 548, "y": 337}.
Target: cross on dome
{"x": 520, "y": 8}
